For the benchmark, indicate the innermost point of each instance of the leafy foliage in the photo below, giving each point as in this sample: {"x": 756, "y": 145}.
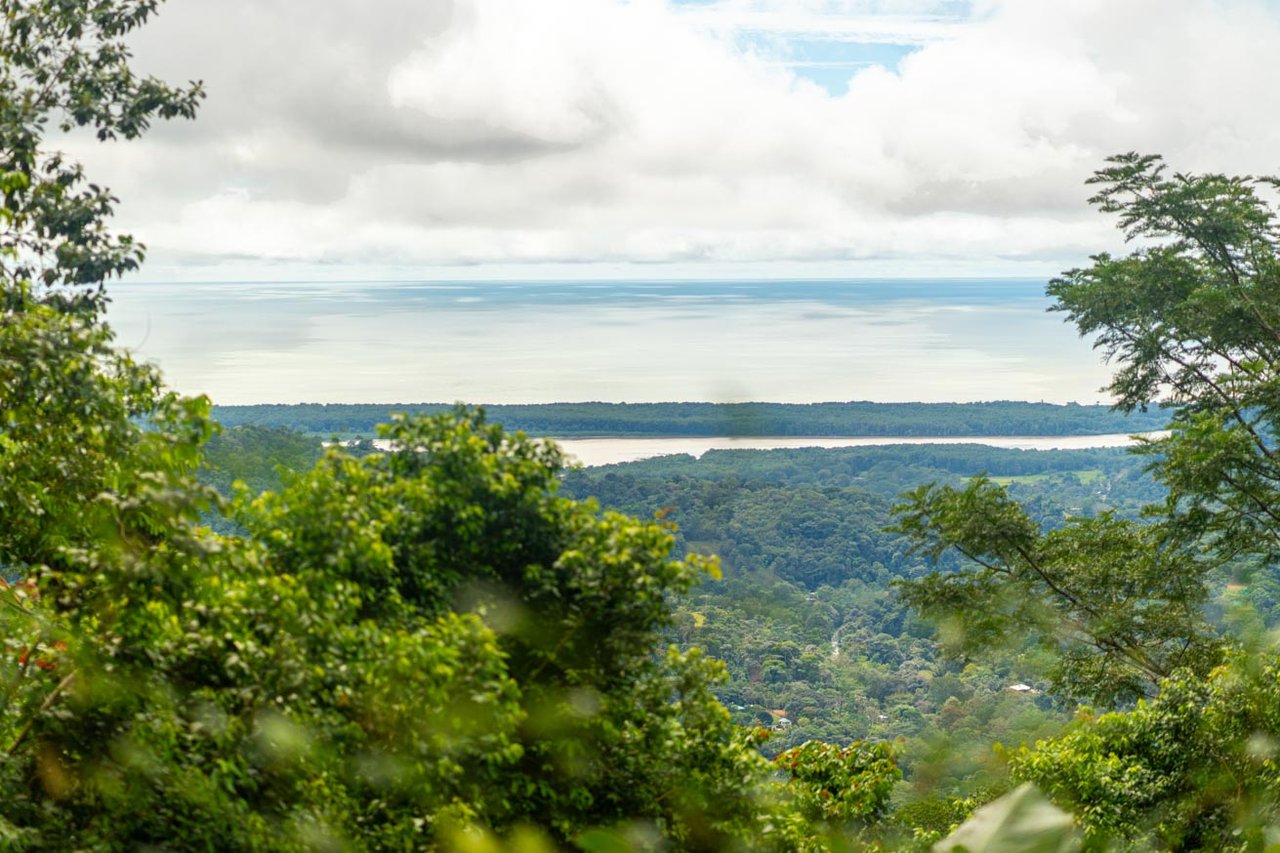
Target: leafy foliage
{"x": 1022, "y": 821}
{"x": 412, "y": 641}
{"x": 1121, "y": 605}
{"x": 841, "y": 785}
{"x": 68, "y": 64}
{"x": 1193, "y": 769}
{"x": 1194, "y": 314}
{"x": 468, "y": 519}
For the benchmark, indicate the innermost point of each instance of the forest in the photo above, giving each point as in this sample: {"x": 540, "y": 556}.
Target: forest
{"x": 232, "y": 637}
{"x": 570, "y": 420}
{"x": 807, "y": 572}
{"x": 805, "y": 613}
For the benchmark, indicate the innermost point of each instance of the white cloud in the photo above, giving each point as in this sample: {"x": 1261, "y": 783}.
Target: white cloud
{"x": 502, "y": 131}
{"x": 915, "y": 22}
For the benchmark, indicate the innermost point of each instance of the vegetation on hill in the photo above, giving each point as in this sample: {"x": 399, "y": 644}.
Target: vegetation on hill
{"x": 805, "y": 616}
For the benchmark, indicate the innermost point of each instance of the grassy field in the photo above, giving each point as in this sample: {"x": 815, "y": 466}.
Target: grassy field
{"x": 1085, "y": 476}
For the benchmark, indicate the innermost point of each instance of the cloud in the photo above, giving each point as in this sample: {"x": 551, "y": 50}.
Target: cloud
{"x": 502, "y": 132}
{"x": 916, "y": 22}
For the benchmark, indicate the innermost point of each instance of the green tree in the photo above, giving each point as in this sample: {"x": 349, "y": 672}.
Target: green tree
{"x": 1118, "y": 602}
{"x": 66, "y": 64}
{"x": 257, "y": 457}
{"x": 1193, "y": 317}
{"x": 1190, "y": 317}
{"x": 468, "y": 519}
{"x": 1193, "y": 769}
{"x": 841, "y": 787}
{"x": 413, "y": 642}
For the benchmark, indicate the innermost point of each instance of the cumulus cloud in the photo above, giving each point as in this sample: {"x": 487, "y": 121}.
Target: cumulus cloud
{"x": 436, "y": 133}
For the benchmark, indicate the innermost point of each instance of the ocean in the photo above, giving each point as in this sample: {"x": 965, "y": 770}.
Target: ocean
{"x": 636, "y": 341}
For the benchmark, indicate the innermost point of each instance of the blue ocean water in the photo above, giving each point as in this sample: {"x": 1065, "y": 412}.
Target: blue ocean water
{"x": 545, "y": 341}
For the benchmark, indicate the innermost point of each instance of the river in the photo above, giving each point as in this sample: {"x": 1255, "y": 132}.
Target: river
{"x": 592, "y": 452}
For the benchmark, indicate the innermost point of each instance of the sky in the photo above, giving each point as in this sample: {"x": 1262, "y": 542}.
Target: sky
{"x": 387, "y": 139}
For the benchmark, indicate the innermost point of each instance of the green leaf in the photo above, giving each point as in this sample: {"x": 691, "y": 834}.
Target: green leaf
{"x": 1022, "y": 821}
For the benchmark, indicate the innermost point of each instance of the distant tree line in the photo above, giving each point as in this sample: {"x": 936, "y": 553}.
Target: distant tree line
{"x": 567, "y": 420}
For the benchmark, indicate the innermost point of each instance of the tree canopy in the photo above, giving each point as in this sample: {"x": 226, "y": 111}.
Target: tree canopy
{"x": 1191, "y": 320}
{"x": 66, "y": 67}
